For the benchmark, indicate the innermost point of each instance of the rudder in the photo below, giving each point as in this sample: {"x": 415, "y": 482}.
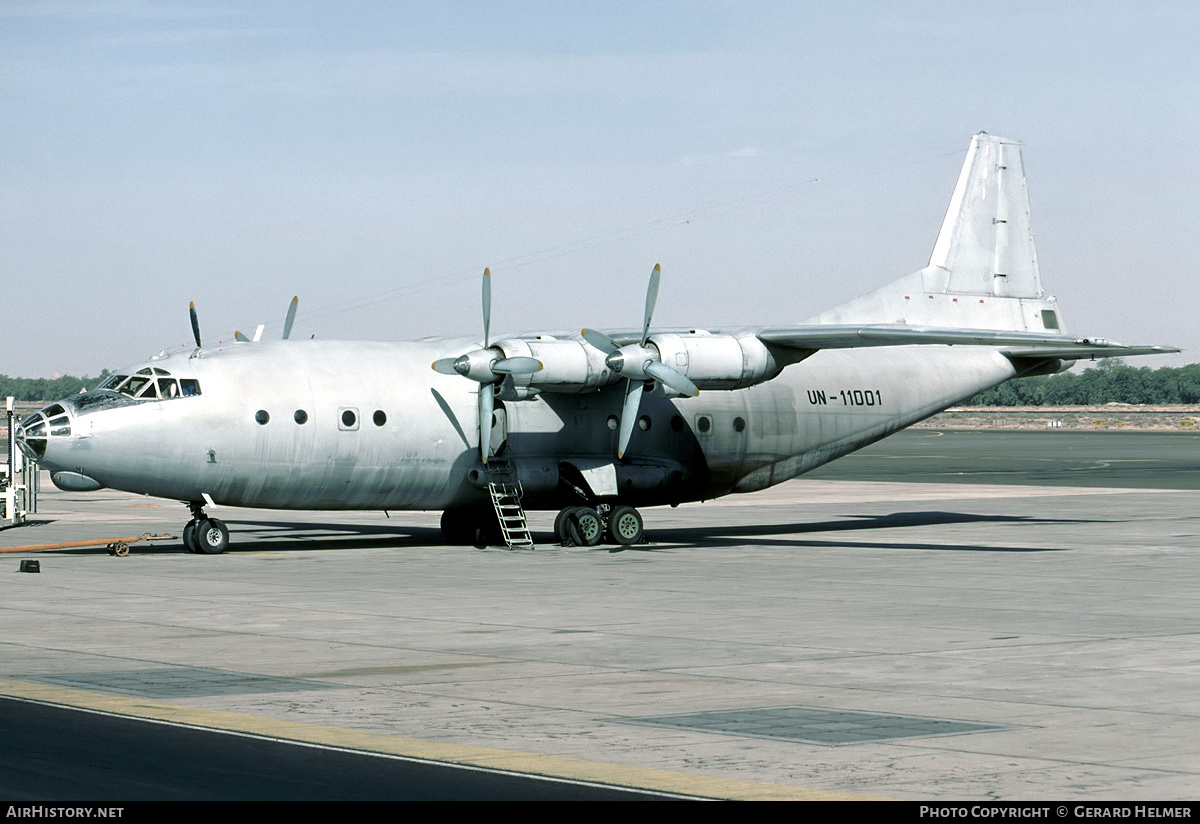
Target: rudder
{"x": 983, "y": 272}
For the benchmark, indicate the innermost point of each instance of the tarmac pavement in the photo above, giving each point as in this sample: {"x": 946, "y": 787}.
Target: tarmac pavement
{"x": 1061, "y": 621}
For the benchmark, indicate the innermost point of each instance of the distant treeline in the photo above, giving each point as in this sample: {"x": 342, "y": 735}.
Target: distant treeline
{"x": 1111, "y": 380}
{"x": 46, "y": 389}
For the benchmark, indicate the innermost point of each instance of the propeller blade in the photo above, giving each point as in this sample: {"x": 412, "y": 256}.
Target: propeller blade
{"x": 487, "y": 306}
{"x": 195, "y": 323}
{"x": 600, "y": 340}
{"x": 629, "y": 410}
{"x": 651, "y": 299}
{"x": 445, "y": 366}
{"x": 238, "y": 336}
{"x": 487, "y": 401}
{"x": 291, "y": 317}
{"x": 517, "y": 366}
{"x": 669, "y": 377}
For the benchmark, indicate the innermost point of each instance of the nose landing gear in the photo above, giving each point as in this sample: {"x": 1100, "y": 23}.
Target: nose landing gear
{"x": 204, "y": 535}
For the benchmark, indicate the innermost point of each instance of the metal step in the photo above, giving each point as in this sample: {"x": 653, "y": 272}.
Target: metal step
{"x": 506, "y": 493}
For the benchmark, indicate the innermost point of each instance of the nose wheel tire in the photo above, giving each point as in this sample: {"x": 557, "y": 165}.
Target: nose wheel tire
{"x": 625, "y": 526}
{"x": 212, "y": 536}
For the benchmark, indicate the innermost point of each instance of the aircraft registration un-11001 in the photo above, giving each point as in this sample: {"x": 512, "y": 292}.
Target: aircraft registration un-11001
{"x": 594, "y": 425}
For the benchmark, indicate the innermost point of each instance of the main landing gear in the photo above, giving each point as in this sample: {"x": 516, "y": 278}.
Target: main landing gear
{"x": 589, "y": 526}
{"x": 574, "y": 526}
{"x": 204, "y": 535}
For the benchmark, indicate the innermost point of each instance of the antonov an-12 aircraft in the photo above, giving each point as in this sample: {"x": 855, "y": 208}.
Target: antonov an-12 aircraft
{"x": 594, "y": 425}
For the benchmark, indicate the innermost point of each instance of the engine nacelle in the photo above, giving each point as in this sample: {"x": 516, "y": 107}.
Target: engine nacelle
{"x": 568, "y": 366}
{"x": 571, "y": 366}
{"x": 722, "y": 361}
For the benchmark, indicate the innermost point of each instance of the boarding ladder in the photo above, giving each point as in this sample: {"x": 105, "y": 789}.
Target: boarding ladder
{"x": 506, "y": 493}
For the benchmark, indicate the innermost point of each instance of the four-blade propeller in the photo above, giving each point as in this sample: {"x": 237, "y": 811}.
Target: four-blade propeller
{"x": 487, "y": 367}
{"x": 640, "y": 365}
{"x": 237, "y": 335}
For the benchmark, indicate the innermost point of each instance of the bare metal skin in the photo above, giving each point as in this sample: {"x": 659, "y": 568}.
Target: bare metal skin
{"x": 344, "y": 425}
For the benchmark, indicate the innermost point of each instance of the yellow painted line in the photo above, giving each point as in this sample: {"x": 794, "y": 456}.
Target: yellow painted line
{"x": 553, "y": 766}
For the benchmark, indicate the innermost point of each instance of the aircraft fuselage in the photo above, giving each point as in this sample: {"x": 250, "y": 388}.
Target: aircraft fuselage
{"x": 367, "y": 425}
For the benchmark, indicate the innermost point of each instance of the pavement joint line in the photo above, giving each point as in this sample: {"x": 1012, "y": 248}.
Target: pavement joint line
{"x": 466, "y": 755}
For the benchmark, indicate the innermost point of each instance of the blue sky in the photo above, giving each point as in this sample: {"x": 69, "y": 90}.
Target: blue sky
{"x": 775, "y": 158}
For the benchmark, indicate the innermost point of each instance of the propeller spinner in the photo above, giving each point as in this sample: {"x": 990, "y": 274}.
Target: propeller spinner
{"x": 639, "y": 364}
{"x": 487, "y": 367}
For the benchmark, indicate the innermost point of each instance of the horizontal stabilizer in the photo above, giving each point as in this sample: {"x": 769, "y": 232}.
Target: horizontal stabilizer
{"x": 1023, "y": 344}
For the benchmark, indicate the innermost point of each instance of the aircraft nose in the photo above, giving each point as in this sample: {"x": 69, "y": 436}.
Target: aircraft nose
{"x": 33, "y": 433}
{"x": 31, "y": 437}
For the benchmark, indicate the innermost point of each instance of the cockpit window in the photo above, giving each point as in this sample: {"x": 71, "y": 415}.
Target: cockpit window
{"x": 60, "y": 425}
{"x": 34, "y": 426}
{"x": 152, "y": 384}
{"x": 134, "y": 385}
{"x": 32, "y": 433}
{"x": 31, "y": 436}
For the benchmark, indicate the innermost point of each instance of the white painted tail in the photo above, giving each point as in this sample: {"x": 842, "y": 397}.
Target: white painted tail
{"x": 983, "y": 273}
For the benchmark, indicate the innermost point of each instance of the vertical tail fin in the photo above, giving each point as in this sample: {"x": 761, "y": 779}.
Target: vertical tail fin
{"x": 986, "y": 242}
{"x": 983, "y": 273}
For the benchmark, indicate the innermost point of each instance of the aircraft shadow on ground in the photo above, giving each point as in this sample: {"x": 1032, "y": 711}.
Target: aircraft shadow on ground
{"x": 774, "y": 534}
{"x": 258, "y": 536}
{"x": 289, "y": 535}
{"x": 282, "y": 535}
